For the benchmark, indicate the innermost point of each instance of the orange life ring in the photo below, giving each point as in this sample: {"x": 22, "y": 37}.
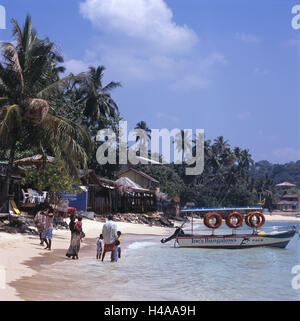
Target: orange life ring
{"x": 209, "y": 216}
{"x": 259, "y": 217}
{"x": 236, "y": 215}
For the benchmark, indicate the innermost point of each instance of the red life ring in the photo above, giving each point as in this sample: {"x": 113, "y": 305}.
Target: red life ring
{"x": 237, "y": 216}
{"x": 260, "y": 218}
{"x": 209, "y": 216}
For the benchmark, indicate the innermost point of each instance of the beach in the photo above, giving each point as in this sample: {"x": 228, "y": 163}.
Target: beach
{"x": 22, "y": 257}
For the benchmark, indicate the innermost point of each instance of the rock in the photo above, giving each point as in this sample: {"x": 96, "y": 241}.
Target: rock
{"x": 166, "y": 222}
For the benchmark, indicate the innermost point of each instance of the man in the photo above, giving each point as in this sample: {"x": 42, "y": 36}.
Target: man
{"x": 109, "y": 232}
{"x": 40, "y": 222}
{"x": 47, "y": 233}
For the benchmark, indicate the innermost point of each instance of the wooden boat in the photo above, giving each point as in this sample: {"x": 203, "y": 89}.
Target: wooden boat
{"x": 257, "y": 238}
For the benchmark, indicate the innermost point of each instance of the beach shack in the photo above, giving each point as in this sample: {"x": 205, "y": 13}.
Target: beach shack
{"x": 142, "y": 179}
{"x": 133, "y": 198}
{"x": 15, "y": 191}
{"x": 289, "y": 203}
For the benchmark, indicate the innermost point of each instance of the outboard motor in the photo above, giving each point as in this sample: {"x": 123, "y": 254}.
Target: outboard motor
{"x": 179, "y": 231}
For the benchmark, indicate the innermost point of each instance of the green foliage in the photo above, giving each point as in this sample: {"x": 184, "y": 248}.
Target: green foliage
{"x": 51, "y": 177}
{"x": 170, "y": 181}
{"x": 289, "y": 172}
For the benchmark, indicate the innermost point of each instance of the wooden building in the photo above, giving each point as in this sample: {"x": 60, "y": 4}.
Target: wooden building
{"x": 289, "y": 203}
{"x": 122, "y": 196}
{"x": 15, "y": 192}
{"x": 142, "y": 179}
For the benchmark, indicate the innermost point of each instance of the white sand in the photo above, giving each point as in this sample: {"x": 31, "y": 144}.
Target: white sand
{"x": 16, "y": 249}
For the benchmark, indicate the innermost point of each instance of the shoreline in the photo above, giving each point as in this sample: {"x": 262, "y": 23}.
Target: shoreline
{"x": 22, "y": 256}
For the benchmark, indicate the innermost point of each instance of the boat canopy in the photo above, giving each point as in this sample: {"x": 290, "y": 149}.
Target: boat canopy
{"x": 215, "y": 209}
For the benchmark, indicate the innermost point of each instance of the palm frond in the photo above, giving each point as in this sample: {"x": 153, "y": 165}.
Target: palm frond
{"x": 11, "y": 124}
{"x": 11, "y": 58}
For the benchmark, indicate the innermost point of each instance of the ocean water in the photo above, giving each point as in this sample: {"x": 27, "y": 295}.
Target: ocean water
{"x": 150, "y": 270}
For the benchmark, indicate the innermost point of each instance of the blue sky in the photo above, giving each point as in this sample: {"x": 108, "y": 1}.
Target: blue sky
{"x": 228, "y": 66}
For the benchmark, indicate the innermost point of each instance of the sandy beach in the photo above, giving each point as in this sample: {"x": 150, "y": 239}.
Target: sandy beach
{"x": 23, "y": 256}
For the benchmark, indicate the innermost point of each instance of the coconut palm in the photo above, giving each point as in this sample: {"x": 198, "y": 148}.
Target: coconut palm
{"x": 97, "y": 98}
{"x": 28, "y": 80}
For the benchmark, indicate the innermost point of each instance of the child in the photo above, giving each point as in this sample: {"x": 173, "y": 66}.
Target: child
{"x": 118, "y": 239}
{"x": 100, "y": 247}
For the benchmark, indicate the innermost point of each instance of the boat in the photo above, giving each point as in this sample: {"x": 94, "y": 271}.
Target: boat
{"x": 234, "y": 220}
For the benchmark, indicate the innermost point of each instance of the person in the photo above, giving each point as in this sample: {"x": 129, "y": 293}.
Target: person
{"x": 76, "y": 237}
{"x": 47, "y": 232}
{"x": 119, "y": 245}
{"x": 115, "y": 252}
{"x": 109, "y": 232}
{"x": 100, "y": 247}
{"x": 72, "y": 223}
{"x": 40, "y": 221}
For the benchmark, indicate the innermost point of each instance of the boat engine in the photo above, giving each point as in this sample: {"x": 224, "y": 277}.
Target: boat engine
{"x": 179, "y": 231}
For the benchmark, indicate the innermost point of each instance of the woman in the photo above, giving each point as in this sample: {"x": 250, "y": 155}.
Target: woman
{"x": 40, "y": 221}
{"x": 76, "y": 236}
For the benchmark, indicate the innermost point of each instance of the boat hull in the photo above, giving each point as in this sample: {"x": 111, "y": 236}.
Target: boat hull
{"x": 280, "y": 240}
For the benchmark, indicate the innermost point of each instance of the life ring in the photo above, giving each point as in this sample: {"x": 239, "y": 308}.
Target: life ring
{"x": 209, "y": 216}
{"x": 237, "y": 216}
{"x": 260, "y": 218}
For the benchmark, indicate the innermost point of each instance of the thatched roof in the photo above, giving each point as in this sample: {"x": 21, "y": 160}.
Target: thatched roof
{"x": 286, "y": 184}
{"x": 34, "y": 160}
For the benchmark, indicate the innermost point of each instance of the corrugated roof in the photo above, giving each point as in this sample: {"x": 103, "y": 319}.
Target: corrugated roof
{"x": 128, "y": 183}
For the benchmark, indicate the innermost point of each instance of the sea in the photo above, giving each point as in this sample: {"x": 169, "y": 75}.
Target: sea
{"x": 151, "y": 271}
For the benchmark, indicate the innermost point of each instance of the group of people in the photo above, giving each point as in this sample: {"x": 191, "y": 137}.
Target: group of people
{"x": 108, "y": 241}
{"x": 44, "y": 223}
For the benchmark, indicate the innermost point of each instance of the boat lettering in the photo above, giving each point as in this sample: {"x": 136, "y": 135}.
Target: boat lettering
{"x": 213, "y": 241}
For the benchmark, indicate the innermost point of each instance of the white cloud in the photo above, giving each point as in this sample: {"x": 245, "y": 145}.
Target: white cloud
{"x": 247, "y": 38}
{"x": 149, "y": 21}
{"x": 168, "y": 117}
{"x": 76, "y": 66}
{"x": 139, "y": 41}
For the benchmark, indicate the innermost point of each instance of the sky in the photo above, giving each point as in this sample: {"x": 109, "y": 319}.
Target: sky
{"x": 230, "y": 67}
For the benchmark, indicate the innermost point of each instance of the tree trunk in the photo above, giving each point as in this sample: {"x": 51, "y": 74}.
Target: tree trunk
{"x": 7, "y": 179}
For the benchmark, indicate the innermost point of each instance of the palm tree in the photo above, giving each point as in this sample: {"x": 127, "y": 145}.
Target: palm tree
{"x": 183, "y": 143}
{"x": 97, "y": 98}
{"x": 28, "y": 80}
{"x": 143, "y": 126}
{"x": 143, "y": 140}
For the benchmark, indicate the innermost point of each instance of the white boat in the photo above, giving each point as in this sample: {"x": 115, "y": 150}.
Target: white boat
{"x": 232, "y": 241}
{"x": 280, "y": 239}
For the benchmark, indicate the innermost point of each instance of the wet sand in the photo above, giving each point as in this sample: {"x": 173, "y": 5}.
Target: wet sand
{"x": 32, "y": 288}
{"x": 21, "y": 256}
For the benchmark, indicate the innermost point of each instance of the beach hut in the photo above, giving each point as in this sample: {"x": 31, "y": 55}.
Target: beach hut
{"x": 142, "y": 179}
{"x": 15, "y": 191}
{"x": 134, "y": 198}
{"x": 102, "y": 193}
